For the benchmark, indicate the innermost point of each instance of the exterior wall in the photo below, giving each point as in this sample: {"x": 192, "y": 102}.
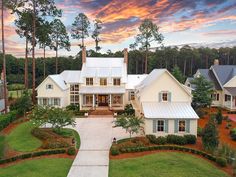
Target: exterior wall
{"x": 149, "y": 128}
{"x": 231, "y": 82}
{"x": 164, "y": 83}
{"x": 221, "y": 99}
{"x": 56, "y": 92}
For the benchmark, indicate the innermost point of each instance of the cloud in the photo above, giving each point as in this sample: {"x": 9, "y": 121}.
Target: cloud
{"x": 220, "y": 32}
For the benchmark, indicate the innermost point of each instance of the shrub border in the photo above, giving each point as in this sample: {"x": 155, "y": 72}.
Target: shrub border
{"x": 168, "y": 147}
{"x": 33, "y": 154}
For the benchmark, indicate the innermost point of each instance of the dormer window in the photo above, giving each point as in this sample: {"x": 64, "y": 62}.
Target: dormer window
{"x": 164, "y": 96}
{"x": 49, "y": 86}
{"x": 89, "y": 81}
{"x": 103, "y": 81}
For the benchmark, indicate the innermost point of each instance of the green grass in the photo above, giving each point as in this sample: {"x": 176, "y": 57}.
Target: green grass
{"x": 2, "y": 146}
{"x": 21, "y": 139}
{"x": 164, "y": 164}
{"x": 67, "y": 132}
{"x": 47, "y": 167}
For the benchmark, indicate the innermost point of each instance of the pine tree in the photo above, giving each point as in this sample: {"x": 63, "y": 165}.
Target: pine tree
{"x": 178, "y": 74}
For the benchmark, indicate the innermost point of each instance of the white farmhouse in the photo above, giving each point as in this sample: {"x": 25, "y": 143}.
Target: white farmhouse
{"x": 103, "y": 84}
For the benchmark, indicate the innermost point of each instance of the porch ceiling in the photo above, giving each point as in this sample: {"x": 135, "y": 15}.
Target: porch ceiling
{"x": 231, "y": 90}
{"x": 102, "y": 90}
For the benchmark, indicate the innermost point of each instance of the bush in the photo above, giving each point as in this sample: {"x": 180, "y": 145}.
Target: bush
{"x": 74, "y": 107}
{"x": 219, "y": 117}
{"x": 199, "y": 131}
{"x": 55, "y": 144}
{"x": 129, "y": 110}
{"x": 40, "y": 134}
{"x": 190, "y": 139}
{"x": 161, "y": 140}
{"x": 6, "y": 119}
{"x": 71, "y": 151}
{"x": 233, "y": 134}
{"x": 114, "y": 151}
{"x": 221, "y": 161}
{"x": 175, "y": 139}
{"x": 152, "y": 138}
{"x": 201, "y": 112}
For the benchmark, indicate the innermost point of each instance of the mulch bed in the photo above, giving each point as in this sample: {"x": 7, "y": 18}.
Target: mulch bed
{"x": 13, "y": 125}
{"x": 223, "y": 132}
{"x": 228, "y": 169}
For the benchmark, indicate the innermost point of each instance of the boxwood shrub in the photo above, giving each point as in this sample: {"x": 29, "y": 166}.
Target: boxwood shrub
{"x": 221, "y": 161}
{"x": 6, "y": 119}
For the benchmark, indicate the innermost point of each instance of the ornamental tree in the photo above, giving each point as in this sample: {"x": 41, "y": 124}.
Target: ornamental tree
{"x": 130, "y": 123}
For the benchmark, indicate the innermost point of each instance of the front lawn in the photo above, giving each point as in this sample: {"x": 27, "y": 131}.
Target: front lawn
{"x": 21, "y": 139}
{"x": 164, "y": 164}
{"x": 2, "y": 146}
{"x": 47, "y": 167}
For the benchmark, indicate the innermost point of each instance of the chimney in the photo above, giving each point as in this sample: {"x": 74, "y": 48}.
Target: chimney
{"x": 216, "y": 62}
{"x": 83, "y": 54}
{"x": 126, "y": 56}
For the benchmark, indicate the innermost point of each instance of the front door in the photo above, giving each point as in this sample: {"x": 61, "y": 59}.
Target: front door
{"x": 102, "y": 100}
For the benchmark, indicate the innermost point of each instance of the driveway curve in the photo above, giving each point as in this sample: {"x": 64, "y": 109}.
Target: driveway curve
{"x": 96, "y": 136}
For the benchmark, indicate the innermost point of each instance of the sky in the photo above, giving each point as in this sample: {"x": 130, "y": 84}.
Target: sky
{"x": 180, "y": 22}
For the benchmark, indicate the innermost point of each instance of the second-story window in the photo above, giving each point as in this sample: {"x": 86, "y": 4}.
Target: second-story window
{"x": 116, "y": 81}
{"x": 164, "y": 96}
{"x": 103, "y": 81}
{"x": 49, "y": 86}
{"x": 89, "y": 81}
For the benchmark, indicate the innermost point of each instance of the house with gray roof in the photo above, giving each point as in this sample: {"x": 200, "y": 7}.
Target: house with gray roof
{"x": 223, "y": 78}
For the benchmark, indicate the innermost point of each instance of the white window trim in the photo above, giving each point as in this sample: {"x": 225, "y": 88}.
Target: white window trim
{"x": 184, "y": 126}
{"x": 163, "y": 125}
{"x": 100, "y": 81}
{"x": 47, "y": 87}
{"x": 113, "y": 79}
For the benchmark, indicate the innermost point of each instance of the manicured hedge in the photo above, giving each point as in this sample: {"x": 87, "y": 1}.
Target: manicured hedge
{"x": 33, "y": 154}
{"x": 6, "y": 119}
{"x": 167, "y": 147}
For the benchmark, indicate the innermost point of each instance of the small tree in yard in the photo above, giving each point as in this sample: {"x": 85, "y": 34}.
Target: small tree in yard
{"x": 210, "y": 137}
{"x": 219, "y": 117}
{"x": 22, "y": 104}
{"x": 131, "y": 124}
{"x": 39, "y": 115}
{"x": 202, "y": 92}
{"x": 60, "y": 118}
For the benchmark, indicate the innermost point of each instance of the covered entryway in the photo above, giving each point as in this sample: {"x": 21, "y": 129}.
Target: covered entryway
{"x": 103, "y": 100}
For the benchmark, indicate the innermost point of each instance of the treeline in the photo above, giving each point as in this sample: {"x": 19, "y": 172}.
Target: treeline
{"x": 186, "y": 58}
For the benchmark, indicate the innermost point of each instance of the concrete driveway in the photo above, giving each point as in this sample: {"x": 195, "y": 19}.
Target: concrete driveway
{"x": 96, "y": 136}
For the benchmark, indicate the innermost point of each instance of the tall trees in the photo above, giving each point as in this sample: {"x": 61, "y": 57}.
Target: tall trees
{"x": 202, "y": 92}
{"x": 80, "y": 28}
{"x": 96, "y": 33}
{"x": 59, "y": 38}
{"x": 4, "y": 60}
{"x": 176, "y": 72}
{"x": 39, "y": 9}
{"x": 149, "y": 33}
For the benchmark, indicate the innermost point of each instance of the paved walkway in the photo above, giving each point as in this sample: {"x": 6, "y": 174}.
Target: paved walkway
{"x": 96, "y": 136}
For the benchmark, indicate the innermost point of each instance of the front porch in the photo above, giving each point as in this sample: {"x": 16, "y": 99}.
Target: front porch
{"x": 230, "y": 99}
{"x": 102, "y": 102}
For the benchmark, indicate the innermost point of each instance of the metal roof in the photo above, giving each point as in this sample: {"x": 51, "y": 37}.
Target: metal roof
{"x": 58, "y": 79}
{"x": 170, "y": 110}
{"x": 71, "y": 76}
{"x": 101, "y": 90}
{"x": 134, "y": 79}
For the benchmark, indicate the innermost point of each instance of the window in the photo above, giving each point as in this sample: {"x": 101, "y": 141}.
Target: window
{"x": 164, "y": 96}
{"x": 116, "y": 81}
{"x": 89, "y": 81}
{"x": 181, "y": 126}
{"x": 103, "y": 81}
{"x": 160, "y": 125}
{"x": 74, "y": 94}
{"x": 227, "y": 97}
{"x": 49, "y": 101}
{"x": 88, "y": 99}
{"x": 131, "y": 95}
{"x": 117, "y": 99}
{"x": 49, "y": 86}
{"x": 215, "y": 96}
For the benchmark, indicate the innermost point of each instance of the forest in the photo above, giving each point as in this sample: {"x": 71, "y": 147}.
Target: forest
{"x": 188, "y": 59}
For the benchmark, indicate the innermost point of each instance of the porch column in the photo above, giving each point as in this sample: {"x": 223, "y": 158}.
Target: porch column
{"x": 231, "y": 100}
{"x": 93, "y": 101}
{"x": 110, "y": 100}
{"x": 80, "y": 101}
{"x": 123, "y": 101}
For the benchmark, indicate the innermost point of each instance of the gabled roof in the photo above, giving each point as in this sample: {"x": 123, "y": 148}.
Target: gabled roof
{"x": 104, "y": 67}
{"x": 134, "y": 79}
{"x": 170, "y": 110}
{"x": 71, "y": 76}
{"x": 154, "y": 75}
{"x": 224, "y": 73}
{"x": 58, "y": 80}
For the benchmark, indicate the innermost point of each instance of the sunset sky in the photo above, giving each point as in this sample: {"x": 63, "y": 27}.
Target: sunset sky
{"x": 180, "y": 21}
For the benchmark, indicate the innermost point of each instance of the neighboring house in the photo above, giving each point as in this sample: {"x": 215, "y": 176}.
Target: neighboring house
{"x": 103, "y": 83}
{"x": 223, "y": 78}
